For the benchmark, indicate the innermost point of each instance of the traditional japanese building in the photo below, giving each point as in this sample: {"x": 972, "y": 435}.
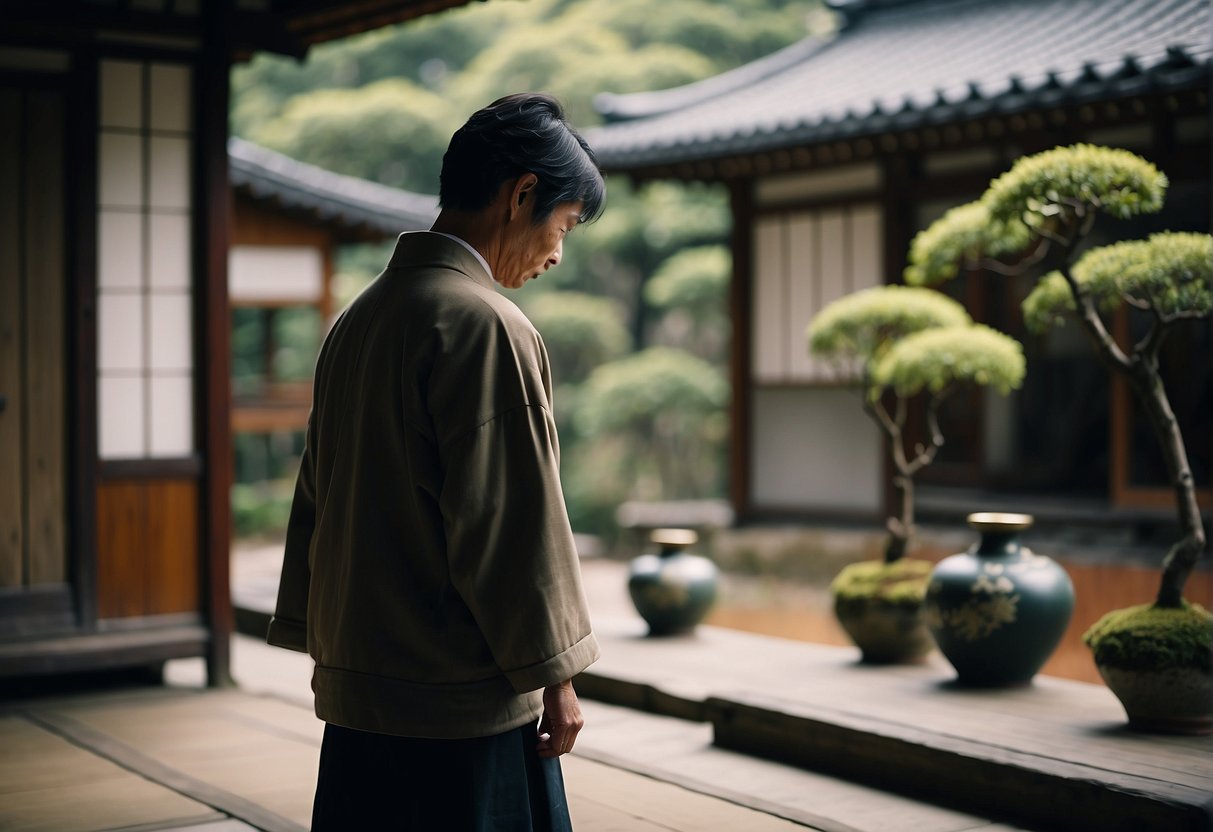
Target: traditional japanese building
{"x": 288, "y": 220}
{"x": 115, "y": 226}
{"x": 837, "y": 150}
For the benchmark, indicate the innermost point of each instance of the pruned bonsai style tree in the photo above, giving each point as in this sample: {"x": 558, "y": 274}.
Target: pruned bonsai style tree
{"x": 900, "y": 342}
{"x": 1036, "y": 217}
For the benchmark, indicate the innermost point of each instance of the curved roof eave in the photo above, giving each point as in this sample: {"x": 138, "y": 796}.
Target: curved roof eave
{"x": 346, "y": 201}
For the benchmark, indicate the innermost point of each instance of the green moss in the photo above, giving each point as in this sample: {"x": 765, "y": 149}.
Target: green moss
{"x": 1148, "y": 637}
{"x": 902, "y": 583}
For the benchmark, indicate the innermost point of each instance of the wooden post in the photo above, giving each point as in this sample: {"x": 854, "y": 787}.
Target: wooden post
{"x": 739, "y": 368}
{"x": 214, "y": 220}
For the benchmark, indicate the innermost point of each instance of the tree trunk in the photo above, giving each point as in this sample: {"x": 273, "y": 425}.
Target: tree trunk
{"x": 1181, "y": 559}
{"x": 1141, "y": 371}
{"x": 901, "y": 527}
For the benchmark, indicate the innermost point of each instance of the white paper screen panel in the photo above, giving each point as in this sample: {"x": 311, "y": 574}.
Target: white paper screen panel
{"x": 769, "y": 333}
{"x": 119, "y": 251}
{"x": 121, "y": 171}
{"x": 121, "y": 406}
{"x": 803, "y": 261}
{"x": 122, "y": 94}
{"x": 804, "y": 252}
{"x": 867, "y": 244}
{"x": 811, "y": 448}
{"x": 145, "y": 363}
{"x": 170, "y": 97}
{"x": 275, "y": 273}
{"x": 171, "y": 402}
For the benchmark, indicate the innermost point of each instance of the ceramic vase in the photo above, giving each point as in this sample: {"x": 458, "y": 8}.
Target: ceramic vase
{"x": 999, "y": 610}
{"x": 672, "y": 589}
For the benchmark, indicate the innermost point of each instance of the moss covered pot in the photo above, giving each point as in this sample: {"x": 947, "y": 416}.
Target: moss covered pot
{"x": 880, "y": 606}
{"x": 1159, "y": 663}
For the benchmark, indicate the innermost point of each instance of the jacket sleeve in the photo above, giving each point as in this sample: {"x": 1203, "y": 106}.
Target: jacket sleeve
{"x": 510, "y": 548}
{"x": 288, "y": 627}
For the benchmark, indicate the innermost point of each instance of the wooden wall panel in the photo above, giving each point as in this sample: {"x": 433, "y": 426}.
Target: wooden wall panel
{"x": 172, "y": 547}
{"x": 121, "y": 550}
{"x": 147, "y": 547}
{"x": 12, "y": 537}
{"x": 253, "y": 224}
{"x": 46, "y": 354}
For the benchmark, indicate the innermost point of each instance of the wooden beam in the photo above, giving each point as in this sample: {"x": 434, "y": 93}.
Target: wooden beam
{"x": 98, "y": 651}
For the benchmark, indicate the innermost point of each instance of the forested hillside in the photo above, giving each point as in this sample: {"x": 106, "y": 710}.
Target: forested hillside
{"x": 635, "y": 317}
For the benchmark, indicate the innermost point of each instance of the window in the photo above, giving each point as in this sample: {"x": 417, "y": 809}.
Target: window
{"x": 145, "y": 359}
{"x": 804, "y": 260}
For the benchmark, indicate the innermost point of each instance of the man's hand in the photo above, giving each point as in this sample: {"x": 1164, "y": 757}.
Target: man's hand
{"x": 561, "y": 722}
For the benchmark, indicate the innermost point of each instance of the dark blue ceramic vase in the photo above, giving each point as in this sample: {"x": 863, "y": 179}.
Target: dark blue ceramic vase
{"x": 672, "y": 589}
{"x": 999, "y": 610}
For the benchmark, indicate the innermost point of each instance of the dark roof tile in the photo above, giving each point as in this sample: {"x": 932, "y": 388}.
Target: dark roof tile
{"x": 900, "y": 63}
{"x": 346, "y": 201}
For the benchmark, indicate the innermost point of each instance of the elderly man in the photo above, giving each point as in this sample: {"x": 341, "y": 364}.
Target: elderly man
{"x": 430, "y": 569}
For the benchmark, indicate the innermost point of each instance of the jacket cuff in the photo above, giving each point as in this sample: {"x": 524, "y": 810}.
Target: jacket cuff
{"x": 559, "y": 668}
{"x": 289, "y": 634}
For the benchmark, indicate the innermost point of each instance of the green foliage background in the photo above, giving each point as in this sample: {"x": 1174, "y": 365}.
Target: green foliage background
{"x": 641, "y": 294}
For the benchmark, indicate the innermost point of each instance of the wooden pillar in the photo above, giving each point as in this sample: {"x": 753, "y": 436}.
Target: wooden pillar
{"x": 214, "y": 233}
{"x": 741, "y": 202}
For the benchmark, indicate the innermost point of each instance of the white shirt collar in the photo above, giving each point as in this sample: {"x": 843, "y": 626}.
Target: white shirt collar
{"x": 468, "y": 246}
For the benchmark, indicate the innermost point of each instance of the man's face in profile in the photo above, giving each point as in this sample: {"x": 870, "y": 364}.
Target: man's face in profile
{"x": 532, "y": 248}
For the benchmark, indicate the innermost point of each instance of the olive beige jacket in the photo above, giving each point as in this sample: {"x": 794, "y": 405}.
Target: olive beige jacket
{"x": 430, "y": 569}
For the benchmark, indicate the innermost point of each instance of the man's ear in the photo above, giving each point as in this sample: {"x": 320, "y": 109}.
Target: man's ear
{"x": 524, "y": 187}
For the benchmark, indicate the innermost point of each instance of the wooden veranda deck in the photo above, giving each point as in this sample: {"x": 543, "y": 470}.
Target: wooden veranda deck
{"x": 721, "y": 730}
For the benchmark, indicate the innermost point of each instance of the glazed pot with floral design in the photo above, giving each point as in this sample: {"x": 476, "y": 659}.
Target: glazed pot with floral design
{"x": 672, "y": 589}
{"x": 999, "y": 610}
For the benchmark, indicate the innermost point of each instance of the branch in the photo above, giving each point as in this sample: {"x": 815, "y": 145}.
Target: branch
{"x": 1136, "y": 303}
{"x": 1046, "y": 234}
{"x": 1183, "y": 315}
{"x": 927, "y": 455}
{"x": 1043, "y": 244}
{"x": 892, "y": 428}
{"x": 876, "y": 410}
{"x": 1149, "y": 346}
{"x": 1087, "y": 314}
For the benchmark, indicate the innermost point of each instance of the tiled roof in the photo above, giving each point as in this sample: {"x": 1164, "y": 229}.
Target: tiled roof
{"x": 291, "y": 26}
{"x": 344, "y": 201}
{"x": 900, "y": 65}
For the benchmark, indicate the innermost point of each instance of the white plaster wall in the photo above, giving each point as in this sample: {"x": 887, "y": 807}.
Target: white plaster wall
{"x": 812, "y": 448}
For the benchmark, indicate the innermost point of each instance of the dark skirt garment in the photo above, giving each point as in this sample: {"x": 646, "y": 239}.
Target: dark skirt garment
{"x": 487, "y": 784}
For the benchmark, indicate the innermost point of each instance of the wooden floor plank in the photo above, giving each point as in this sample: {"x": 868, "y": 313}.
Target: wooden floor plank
{"x": 47, "y": 783}
{"x": 209, "y": 741}
{"x": 137, "y": 758}
{"x": 662, "y": 805}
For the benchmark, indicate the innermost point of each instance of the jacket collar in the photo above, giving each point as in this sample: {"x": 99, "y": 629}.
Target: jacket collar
{"x": 427, "y": 249}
